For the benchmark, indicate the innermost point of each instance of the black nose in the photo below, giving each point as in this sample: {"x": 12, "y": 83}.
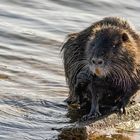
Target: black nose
{"x": 97, "y": 61}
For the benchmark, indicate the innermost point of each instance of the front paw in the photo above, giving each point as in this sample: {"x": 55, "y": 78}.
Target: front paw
{"x": 91, "y": 116}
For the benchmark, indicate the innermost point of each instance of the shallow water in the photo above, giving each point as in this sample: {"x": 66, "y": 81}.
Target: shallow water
{"x": 32, "y": 82}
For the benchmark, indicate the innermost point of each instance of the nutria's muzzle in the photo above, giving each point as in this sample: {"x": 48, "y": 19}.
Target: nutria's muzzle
{"x": 97, "y": 61}
{"x": 97, "y": 66}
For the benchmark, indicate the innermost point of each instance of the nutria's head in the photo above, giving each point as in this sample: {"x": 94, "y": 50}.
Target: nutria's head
{"x": 112, "y": 52}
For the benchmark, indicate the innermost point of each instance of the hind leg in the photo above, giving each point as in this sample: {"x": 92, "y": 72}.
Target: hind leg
{"x": 123, "y": 101}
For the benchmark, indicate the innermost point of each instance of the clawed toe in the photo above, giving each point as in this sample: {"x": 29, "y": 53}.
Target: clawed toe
{"x": 88, "y": 117}
{"x": 91, "y": 116}
{"x": 121, "y": 106}
{"x": 122, "y": 110}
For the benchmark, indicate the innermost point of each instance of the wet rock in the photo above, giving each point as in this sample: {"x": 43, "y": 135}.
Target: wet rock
{"x": 110, "y": 125}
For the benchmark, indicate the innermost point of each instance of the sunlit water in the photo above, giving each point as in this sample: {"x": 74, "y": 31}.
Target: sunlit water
{"x": 32, "y": 82}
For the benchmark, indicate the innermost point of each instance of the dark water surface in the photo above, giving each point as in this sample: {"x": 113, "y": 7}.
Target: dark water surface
{"x": 32, "y": 82}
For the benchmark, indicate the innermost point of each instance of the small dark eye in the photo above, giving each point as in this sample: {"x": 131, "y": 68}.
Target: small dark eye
{"x": 114, "y": 46}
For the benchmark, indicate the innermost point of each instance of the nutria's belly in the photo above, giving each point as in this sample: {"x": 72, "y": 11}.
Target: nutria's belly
{"x": 107, "y": 93}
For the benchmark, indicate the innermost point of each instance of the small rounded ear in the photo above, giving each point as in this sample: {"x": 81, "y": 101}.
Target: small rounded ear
{"x": 125, "y": 37}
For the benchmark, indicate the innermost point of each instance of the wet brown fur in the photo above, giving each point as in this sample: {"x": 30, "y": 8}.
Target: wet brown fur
{"x": 75, "y": 55}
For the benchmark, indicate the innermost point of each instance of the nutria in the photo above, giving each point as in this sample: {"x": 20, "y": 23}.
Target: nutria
{"x": 110, "y": 51}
